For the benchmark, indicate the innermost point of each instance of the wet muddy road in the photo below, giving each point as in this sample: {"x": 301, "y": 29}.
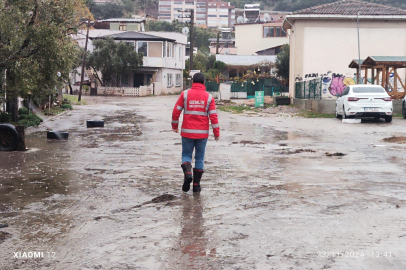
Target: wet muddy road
{"x": 275, "y": 194}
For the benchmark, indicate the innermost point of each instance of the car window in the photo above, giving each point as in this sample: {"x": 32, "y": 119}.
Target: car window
{"x": 346, "y": 90}
{"x": 359, "y": 90}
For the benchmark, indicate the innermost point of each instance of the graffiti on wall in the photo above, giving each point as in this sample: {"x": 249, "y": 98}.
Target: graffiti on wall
{"x": 334, "y": 83}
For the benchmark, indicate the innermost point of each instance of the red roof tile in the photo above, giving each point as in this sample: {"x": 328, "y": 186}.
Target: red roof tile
{"x": 351, "y": 7}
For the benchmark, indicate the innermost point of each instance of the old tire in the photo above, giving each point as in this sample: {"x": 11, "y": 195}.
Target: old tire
{"x": 94, "y": 123}
{"x": 8, "y": 137}
{"x": 57, "y": 135}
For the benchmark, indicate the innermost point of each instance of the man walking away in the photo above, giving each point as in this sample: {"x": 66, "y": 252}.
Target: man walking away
{"x": 198, "y": 106}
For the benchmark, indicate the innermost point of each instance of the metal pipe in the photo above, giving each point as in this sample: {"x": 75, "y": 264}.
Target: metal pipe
{"x": 359, "y": 50}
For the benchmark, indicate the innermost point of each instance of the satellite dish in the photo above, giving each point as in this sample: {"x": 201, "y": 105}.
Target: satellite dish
{"x": 185, "y": 30}
{"x": 267, "y": 17}
{"x": 240, "y": 19}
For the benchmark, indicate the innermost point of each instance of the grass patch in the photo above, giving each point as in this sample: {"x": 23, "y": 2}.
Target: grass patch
{"x": 237, "y": 109}
{"x": 74, "y": 99}
{"x": 397, "y": 115}
{"x": 307, "y": 114}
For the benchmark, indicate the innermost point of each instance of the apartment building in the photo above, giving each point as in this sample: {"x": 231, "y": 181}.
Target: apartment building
{"x": 213, "y": 14}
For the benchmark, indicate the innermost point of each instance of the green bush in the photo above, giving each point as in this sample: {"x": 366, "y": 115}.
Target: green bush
{"x": 66, "y": 107}
{"x": 5, "y": 117}
{"x": 23, "y": 116}
{"x": 30, "y": 120}
{"x": 22, "y": 111}
{"x": 66, "y": 101}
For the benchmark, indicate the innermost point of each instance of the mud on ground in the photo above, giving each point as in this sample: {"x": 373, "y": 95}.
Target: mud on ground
{"x": 276, "y": 193}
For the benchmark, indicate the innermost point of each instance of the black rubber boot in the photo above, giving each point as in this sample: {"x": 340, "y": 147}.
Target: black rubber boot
{"x": 197, "y": 175}
{"x": 187, "y": 171}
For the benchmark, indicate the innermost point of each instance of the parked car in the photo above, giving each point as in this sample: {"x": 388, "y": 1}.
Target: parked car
{"x": 404, "y": 108}
{"x": 364, "y": 100}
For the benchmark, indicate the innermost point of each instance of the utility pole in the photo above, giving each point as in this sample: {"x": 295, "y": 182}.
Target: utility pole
{"x": 4, "y": 89}
{"x": 217, "y": 44}
{"x": 359, "y": 52}
{"x": 84, "y": 62}
{"x": 192, "y": 22}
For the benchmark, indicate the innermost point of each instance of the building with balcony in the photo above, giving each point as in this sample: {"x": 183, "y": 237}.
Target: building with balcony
{"x": 213, "y": 14}
{"x": 163, "y": 60}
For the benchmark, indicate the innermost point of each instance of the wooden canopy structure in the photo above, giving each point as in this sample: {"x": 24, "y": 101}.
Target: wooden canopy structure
{"x": 381, "y": 67}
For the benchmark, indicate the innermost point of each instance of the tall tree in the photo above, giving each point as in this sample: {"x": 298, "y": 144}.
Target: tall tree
{"x": 112, "y": 60}
{"x": 35, "y": 46}
{"x": 282, "y": 63}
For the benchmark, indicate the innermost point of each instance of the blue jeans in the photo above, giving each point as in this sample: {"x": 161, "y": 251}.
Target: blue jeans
{"x": 188, "y": 145}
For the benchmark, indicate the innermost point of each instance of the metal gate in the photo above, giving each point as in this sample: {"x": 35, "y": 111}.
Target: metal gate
{"x": 309, "y": 89}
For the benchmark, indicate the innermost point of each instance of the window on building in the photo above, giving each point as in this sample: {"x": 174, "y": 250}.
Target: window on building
{"x": 169, "y": 81}
{"x": 162, "y": 3}
{"x": 180, "y": 52}
{"x": 200, "y": 15}
{"x": 224, "y": 16}
{"x": 201, "y": 3}
{"x": 215, "y": 16}
{"x": 142, "y": 47}
{"x": 177, "y": 9}
{"x": 169, "y": 50}
{"x": 122, "y": 27}
{"x": 212, "y": 22}
{"x": 178, "y": 3}
{"x": 224, "y": 10}
{"x": 164, "y": 8}
{"x": 270, "y": 31}
{"x": 200, "y": 9}
{"x": 189, "y": 3}
{"x": 212, "y": 9}
{"x": 201, "y": 22}
{"x": 178, "y": 80}
{"x": 223, "y": 22}
{"x": 165, "y": 14}
{"x": 155, "y": 49}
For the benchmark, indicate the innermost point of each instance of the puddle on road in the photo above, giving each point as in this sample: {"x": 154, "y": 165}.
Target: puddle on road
{"x": 30, "y": 176}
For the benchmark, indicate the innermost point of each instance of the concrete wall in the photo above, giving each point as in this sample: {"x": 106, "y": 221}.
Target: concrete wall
{"x": 328, "y": 106}
{"x": 249, "y": 38}
{"x": 319, "y": 46}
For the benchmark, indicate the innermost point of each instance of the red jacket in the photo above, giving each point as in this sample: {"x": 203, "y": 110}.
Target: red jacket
{"x": 198, "y": 106}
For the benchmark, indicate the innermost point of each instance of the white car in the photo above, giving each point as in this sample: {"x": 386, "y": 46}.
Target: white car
{"x": 404, "y": 108}
{"x": 364, "y": 100}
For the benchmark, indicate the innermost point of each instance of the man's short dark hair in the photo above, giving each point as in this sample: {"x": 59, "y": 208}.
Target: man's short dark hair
{"x": 198, "y": 78}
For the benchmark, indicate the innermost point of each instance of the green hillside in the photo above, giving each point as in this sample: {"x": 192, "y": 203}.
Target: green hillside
{"x": 292, "y": 5}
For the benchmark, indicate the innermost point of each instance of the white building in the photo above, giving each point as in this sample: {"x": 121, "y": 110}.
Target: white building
{"x": 163, "y": 61}
{"x": 212, "y": 14}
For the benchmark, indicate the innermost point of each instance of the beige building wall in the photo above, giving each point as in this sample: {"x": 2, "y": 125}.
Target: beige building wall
{"x": 330, "y": 45}
{"x": 249, "y": 38}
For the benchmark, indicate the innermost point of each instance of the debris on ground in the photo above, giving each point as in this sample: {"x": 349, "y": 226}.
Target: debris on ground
{"x": 337, "y": 154}
{"x": 395, "y": 139}
{"x": 248, "y": 142}
{"x": 162, "y": 198}
{"x": 3, "y": 225}
{"x": 297, "y": 151}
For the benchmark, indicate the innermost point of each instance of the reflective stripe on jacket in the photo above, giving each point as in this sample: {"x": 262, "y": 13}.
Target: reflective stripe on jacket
{"x": 198, "y": 106}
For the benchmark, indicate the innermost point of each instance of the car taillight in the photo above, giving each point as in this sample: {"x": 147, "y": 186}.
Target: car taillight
{"x": 387, "y": 99}
{"x": 353, "y": 99}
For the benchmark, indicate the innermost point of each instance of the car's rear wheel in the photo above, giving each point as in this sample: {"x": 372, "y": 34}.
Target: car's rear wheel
{"x": 403, "y": 110}
{"x": 388, "y": 118}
